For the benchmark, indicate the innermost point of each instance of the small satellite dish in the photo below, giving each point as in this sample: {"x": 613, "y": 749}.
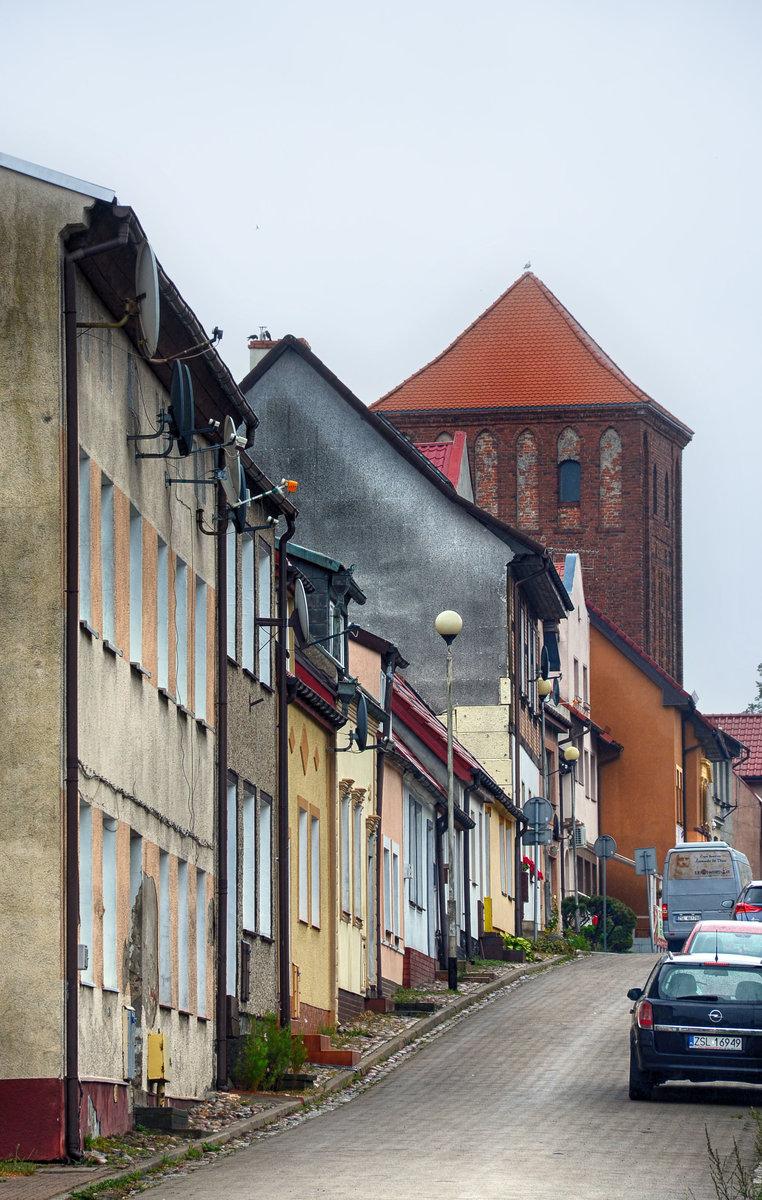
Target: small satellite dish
{"x": 360, "y": 735}
{"x": 232, "y": 463}
{"x": 300, "y": 618}
{"x": 147, "y": 294}
{"x": 181, "y": 408}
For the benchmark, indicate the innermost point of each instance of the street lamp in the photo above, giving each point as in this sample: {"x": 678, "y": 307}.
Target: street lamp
{"x": 544, "y": 689}
{"x": 448, "y": 625}
{"x": 571, "y": 754}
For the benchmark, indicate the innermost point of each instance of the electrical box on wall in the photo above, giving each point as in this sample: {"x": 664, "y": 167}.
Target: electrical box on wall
{"x": 158, "y": 1058}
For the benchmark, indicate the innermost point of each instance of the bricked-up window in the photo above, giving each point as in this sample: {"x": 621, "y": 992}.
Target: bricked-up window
{"x": 611, "y": 479}
{"x": 666, "y": 497}
{"x": 486, "y": 471}
{"x": 527, "y": 481}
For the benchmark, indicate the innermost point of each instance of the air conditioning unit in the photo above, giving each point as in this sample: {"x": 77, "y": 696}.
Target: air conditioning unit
{"x": 580, "y": 835}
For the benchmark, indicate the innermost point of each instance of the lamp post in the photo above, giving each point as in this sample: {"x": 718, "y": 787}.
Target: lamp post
{"x": 544, "y": 689}
{"x": 448, "y": 625}
{"x": 571, "y": 754}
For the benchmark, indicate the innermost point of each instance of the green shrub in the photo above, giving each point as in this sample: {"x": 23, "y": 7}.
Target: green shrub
{"x": 512, "y": 941}
{"x": 269, "y": 1052}
{"x": 620, "y": 922}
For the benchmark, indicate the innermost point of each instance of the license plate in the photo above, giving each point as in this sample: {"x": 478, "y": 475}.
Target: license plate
{"x": 711, "y": 1041}
{"x": 687, "y": 916}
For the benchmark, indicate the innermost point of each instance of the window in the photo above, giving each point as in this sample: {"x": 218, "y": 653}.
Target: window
{"x": 181, "y": 631}
{"x": 247, "y": 603}
{"x": 527, "y": 481}
{"x": 679, "y": 798}
{"x": 264, "y": 609}
{"x": 230, "y": 580}
{"x": 345, "y": 863}
{"x": 108, "y": 856}
{"x": 136, "y": 586}
{"x": 610, "y": 479}
{"x": 387, "y": 885}
{"x": 162, "y": 615}
{"x": 85, "y": 596}
{"x": 315, "y": 869}
{"x": 358, "y": 859}
{"x": 309, "y": 866}
{"x": 304, "y": 866}
{"x": 136, "y": 865}
{"x": 265, "y": 860}
{"x": 503, "y": 869}
{"x": 249, "y": 882}
{"x": 415, "y": 833}
{"x": 199, "y": 658}
{"x": 165, "y": 945}
{"x": 395, "y": 889}
{"x": 183, "y": 978}
{"x": 568, "y": 482}
{"x": 336, "y": 619}
{"x": 201, "y": 942}
{"x": 107, "y": 559}
{"x": 232, "y": 914}
{"x": 86, "y": 887}
{"x": 577, "y": 696}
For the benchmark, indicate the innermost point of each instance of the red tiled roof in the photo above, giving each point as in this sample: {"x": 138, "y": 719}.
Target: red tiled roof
{"x": 447, "y": 457}
{"x": 746, "y": 728}
{"x": 526, "y": 350}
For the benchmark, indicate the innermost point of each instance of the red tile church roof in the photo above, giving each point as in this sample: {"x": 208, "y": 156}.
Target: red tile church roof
{"x": 526, "y": 350}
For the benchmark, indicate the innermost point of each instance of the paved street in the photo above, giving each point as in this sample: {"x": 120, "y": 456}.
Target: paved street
{"x": 527, "y": 1097}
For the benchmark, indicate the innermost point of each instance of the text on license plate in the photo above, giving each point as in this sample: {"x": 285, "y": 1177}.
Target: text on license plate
{"x": 713, "y": 1041}
{"x": 687, "y": 916}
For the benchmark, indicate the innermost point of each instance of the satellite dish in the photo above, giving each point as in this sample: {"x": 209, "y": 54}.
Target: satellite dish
{"x": 181, "y": 408}
{"x": 361, "y": 731}
{"x": 147, "y": 294}
{"x": 232, "y": 463}
{"x": 300, "y": 618}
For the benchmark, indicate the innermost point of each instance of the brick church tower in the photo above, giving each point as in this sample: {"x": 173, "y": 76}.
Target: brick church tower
{"x": 564, "y": 447}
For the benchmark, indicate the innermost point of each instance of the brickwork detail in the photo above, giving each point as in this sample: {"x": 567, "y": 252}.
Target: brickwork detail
{"x": 527, "y": 482}
{"x": 418, "y": 969}
{"x": 486, "y": 472}
{"x": 611, "y": 479}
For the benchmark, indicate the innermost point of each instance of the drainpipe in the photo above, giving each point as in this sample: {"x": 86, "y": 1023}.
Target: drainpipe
{"x": 222, "y": 794}
{"x": 281, "y": 654}
{"x": 73, "y": 1139}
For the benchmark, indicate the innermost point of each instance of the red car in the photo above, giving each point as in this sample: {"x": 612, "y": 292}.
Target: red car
{"x": 725, "y": 937}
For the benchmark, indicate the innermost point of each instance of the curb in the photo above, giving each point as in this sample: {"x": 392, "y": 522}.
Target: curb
{"x": 287, "y": 1107}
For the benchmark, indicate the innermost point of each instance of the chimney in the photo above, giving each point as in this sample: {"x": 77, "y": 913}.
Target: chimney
{"x": 259, "y": 345}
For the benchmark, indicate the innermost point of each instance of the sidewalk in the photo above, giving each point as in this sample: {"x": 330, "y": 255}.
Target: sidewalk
{"x": 226, "y": 1121}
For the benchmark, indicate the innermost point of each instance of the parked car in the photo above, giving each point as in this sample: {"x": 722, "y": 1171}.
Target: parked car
{"x": 748, "y": 906}
{"x": 725, "y": 937}
{"x": 698, "y": 1018}
{"x": 702, "y": 881}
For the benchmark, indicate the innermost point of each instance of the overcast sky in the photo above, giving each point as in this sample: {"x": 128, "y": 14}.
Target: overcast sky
{"x": 371, "y": 177}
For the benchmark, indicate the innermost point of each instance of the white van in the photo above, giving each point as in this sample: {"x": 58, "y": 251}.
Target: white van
{"x": 702, "y": 881}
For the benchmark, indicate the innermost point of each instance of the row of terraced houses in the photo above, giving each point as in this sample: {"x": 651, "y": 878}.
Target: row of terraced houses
{"x": 224, "y": 762}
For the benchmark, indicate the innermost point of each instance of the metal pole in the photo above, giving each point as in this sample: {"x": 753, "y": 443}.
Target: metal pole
{"x": 574, "y": 846}
{"x": 605, "y": 914}
{"x": 452, "y": 959}
{"x": 649, "y": 877}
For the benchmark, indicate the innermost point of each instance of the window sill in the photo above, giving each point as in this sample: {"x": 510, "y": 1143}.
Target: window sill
{"x": 167, "y": 695}
{"x": 111, "y": 988}
{"x": 112, "y": 649}
{"x": 166, "y": 1005}
{"x": 86, "y": 627}
{"x": 186, "y": 712}
{"x": 140, "y": 670}
{"x": 345, "y": 916}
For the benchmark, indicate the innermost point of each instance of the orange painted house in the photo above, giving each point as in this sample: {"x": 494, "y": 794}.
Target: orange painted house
{"x": 659, "y": 790}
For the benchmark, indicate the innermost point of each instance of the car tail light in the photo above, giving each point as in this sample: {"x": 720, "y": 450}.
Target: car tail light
{"x": 645, "y": 1015}
{"x": 748, "y": 907}
{"x": 663, "y": 912}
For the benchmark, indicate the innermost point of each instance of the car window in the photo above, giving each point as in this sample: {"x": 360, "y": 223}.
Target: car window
{"x": 707, "y": 942}
{"x": 709, "y": 979}
{"x": 753, "y": 895}
{"x": 701, "y": 864}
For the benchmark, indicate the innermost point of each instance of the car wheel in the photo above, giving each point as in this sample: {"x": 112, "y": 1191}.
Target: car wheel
{"x": 641, "y": 1083}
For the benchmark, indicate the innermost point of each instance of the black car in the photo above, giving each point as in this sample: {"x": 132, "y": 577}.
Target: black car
{"x": 699, "y": 1017}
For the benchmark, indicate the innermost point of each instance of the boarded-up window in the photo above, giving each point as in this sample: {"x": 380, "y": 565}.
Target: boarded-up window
{"x": 527, "y": 482}
{"x": 611, "y": 479}
{"x": 485, "y": 472}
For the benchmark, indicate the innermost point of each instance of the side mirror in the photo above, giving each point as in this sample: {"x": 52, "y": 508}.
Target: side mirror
{"x": 634, "y": 993}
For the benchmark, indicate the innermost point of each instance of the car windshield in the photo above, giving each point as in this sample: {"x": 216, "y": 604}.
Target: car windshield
{"x": 708, "y": 942}
{"x": 721, "y": 981}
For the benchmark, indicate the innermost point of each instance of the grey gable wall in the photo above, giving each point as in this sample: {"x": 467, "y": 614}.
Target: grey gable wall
{"x": 415, "y": 552}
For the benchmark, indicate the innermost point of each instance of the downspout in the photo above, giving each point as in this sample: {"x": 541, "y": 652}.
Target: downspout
{"x": 471, "y": 787}
{"x": 73, "y": 1139}
{"x": 222, "y": 794}
{"x": 281, "y": 653}
{"x": 380, "y": 771}
{"x": 441, "y": 895}
{"x": 686, "y": 750}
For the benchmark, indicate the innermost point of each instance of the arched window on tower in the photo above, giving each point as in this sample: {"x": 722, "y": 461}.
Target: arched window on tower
{"x": 569, "y": 474}
{"x": 527, "y": 481}
{"x": 485, "y": 472}
{"x": 611, "y": 479}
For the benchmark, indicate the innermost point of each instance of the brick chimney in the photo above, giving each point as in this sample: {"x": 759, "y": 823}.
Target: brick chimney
{"x": 259, "y": 345}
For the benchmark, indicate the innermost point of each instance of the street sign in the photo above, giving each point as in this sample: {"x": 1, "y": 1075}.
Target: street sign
{"x": 538, "y": 810}
{"x": 537, "y": 836}
{"x": 605, "y": 846}
{"x": 645, "y": 860}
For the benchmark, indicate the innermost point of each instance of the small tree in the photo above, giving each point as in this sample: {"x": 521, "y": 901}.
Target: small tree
{"x": 620, "y": 921}
{"x": 756, "y": 704}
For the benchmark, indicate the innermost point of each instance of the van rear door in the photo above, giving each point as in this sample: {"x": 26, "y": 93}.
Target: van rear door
{"x": 701, "y": 886}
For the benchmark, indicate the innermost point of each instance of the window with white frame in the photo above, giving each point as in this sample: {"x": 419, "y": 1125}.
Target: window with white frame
{"x": 503, "y": 866}
{"x": 181, "y": 631}
{"x": 230, "y": 587}
{"x": 304, "y": 866}
{"x": 162, "y": 614}
{"x": 232, "y": 863}
{"x": 415, "y": 852}
{"x": 86, "y": 887}
{"x": 265, "y": 866}
{"x": 395, "y": 889}
{"x": 358, "y": 858}
{"x": 387, "y": 886}
{"x": 136, "y": 586}
{"x": 183, "y": 974}
{"x": 346, "y": 866}
{"x": 200, "y": 942}
{"x": 247, "y": 603}
{"x": 108, "y": 863}
{"x": 264, "y": 610}
{"x": 249, "y": 880}
{"x": 165, "y": 943}
{"x": 107, "y": 559}
{"x": 508, "y": 859}
{"x": 85, "y": 595}
{"x": 199, "y": 657}
{"x": 315, "y": 869}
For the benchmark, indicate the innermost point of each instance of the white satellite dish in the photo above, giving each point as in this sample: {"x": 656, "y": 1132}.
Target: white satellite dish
{"x": 300, "y": 618}
{"x": 147, "y": 293}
